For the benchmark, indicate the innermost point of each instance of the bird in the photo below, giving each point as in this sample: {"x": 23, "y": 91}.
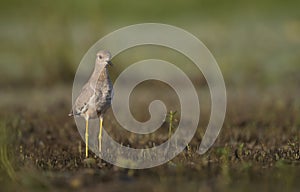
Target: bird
{"x": 95, "y": 96}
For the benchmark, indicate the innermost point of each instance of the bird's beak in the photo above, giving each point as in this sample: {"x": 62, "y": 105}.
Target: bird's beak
{"x": 110, "y": 63}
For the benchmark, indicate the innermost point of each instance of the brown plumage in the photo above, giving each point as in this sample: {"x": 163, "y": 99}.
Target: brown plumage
{"x": 95, "y": 96}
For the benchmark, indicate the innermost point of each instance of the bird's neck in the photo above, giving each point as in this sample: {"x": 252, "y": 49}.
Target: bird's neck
{"x": 98, "y": 70}
{"x": 100, "y": 73}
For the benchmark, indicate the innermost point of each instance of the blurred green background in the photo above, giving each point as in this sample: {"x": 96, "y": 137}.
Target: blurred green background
{"x": 254, "y": 42}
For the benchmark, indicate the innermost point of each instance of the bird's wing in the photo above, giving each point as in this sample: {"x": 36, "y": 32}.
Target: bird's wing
{"x": 81, "y": 103}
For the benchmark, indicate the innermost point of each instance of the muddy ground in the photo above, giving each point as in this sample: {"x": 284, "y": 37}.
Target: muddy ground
{"x": 258, "y": 147}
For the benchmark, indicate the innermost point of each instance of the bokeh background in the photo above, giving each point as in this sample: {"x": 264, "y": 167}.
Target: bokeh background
{"x": 256, "y": 44}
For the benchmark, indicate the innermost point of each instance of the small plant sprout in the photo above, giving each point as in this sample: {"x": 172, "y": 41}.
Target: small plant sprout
{"x": 170, "y": 120}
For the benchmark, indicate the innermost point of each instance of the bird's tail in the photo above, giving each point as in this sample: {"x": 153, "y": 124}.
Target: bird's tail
{"x": 71, "y": 113}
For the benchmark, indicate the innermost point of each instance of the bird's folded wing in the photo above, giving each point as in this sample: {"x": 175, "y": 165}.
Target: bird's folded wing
{"x": 81, "y": 103}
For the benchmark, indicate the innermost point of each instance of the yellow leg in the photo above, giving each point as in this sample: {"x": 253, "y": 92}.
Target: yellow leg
{"x": 86, "y": 137}
{"x": 100, "y": 133}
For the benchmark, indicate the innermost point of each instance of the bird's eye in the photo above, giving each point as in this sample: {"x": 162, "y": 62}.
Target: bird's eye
{"x": 100, "y": 57}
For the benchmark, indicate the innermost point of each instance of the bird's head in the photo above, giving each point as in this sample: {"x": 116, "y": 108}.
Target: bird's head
{"x": 104, "y": 57}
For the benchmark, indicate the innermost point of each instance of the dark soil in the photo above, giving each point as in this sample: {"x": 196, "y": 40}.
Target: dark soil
{"x": 258, "y": 147}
